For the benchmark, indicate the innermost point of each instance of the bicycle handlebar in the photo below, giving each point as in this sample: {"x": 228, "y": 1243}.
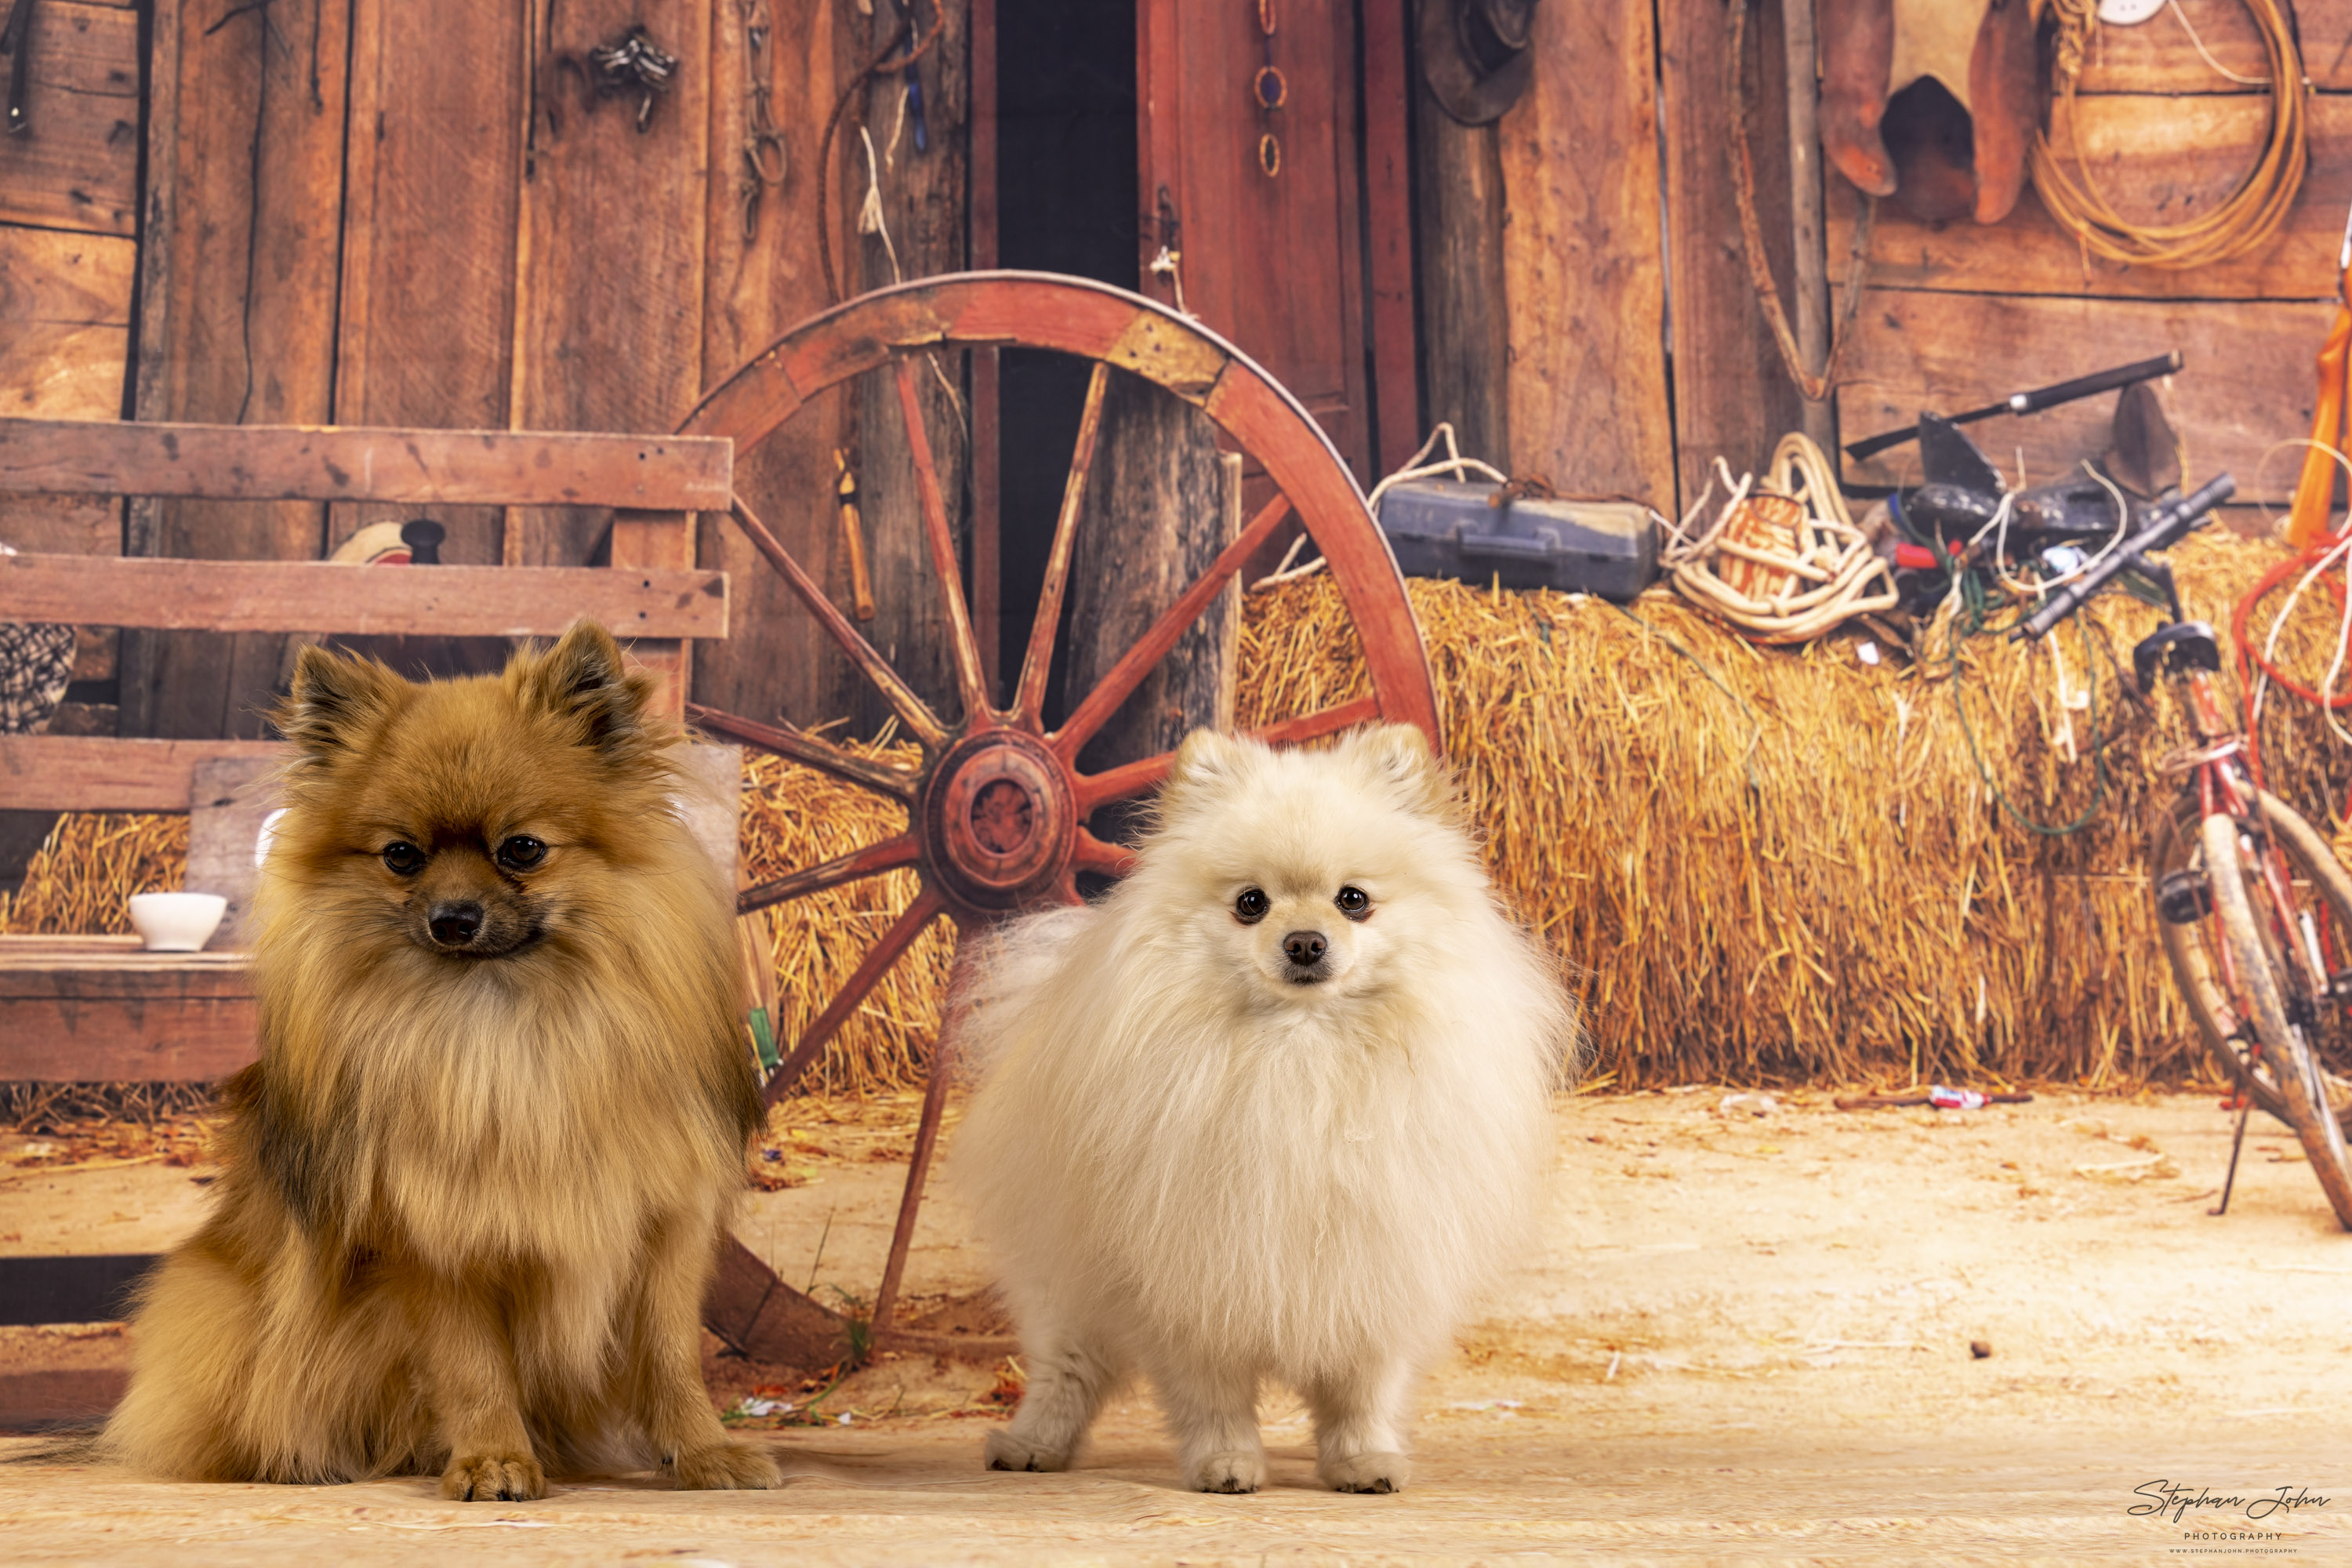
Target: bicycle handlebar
{"x": 2169, "y": 524}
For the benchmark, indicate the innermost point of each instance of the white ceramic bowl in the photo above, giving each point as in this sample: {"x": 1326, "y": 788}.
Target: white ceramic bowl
{"x": 177, "y": 923}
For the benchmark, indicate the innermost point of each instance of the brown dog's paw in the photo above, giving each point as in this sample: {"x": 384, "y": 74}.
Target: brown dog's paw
{"x": 1366, "y": 1473}
{"x": 493, "y": 1478}
{"x": 737, "y": 1466}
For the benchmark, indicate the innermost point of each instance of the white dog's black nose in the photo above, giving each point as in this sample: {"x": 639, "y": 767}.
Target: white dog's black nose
{"x": 1304, "y": 948}
{"x": 455, "y": 925}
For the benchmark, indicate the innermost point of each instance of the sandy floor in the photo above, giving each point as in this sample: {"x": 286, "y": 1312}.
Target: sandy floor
{"x": 1746, "y": 1338}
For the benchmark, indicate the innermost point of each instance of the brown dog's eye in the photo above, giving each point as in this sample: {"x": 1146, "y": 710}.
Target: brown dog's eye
{"x": 1251, "y": 906}
{"x": 1354, "y": 903}
{"x": 521, "y": 852}
{"x": 406, "y": 858}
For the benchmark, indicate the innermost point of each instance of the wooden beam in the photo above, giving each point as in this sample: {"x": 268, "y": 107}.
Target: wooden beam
{"x": 114, "y": 1016}
{"x": 333, "y": 596}
{"x": 454, "y": 467}
{"x": 95, "y": 773}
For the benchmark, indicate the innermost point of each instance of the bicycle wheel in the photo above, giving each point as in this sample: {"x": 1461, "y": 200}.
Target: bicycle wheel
{"x": 2264, "y": 983}
{"x": 2317, "y": 883}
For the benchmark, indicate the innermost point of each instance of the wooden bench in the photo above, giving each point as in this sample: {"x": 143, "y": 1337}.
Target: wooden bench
{"x": 99, "y": 1010}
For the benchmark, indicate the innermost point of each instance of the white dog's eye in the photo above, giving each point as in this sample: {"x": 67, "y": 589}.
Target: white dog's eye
{"x": 1251, "y": 906}
{"x": 1354, "y": 903}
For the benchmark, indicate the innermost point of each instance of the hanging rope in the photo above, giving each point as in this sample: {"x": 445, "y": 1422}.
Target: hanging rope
{"x": 882, "y": 64}
{"x": 1783, "y": 561}
{"x": 2245, "y": 220}
{"x": 1816, "y": 388}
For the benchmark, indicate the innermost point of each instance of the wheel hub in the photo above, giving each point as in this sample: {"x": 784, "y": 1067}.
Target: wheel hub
{"x": 999, "y": 821}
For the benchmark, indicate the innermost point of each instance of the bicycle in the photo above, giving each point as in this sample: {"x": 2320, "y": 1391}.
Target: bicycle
{"x": 2249, "y": 898}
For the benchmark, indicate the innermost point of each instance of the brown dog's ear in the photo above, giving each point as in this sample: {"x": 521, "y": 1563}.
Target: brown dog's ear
{"x": 334, "y": 697}
{"x": 1401, "y": 756}
{"x": 584, "y": 679}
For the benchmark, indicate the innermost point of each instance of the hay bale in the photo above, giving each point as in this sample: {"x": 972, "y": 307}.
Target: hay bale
{"x": 795, "y": 816}
{"x": 1764, "y": 866}
{"x": 81, "y": 879}
{"x": 1777, "y": 867}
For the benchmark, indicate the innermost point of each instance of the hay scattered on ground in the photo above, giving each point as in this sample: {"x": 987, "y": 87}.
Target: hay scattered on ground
{"x": 1775, "y": 865}
{"x": 30, "y": 1106}
{"x": 81, "y": 879}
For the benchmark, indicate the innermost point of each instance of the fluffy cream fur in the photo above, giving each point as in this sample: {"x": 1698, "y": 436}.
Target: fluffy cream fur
{"x": 470, "y": 1194}
{"x": 1195, "y": 1161}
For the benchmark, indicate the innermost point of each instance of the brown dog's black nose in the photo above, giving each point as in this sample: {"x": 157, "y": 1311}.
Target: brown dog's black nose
{"x": 455, "y": 925}
{"x": 1304, "y": 947}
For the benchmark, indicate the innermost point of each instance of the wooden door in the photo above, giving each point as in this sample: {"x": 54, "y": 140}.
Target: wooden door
{"x": 1272, "y": 260}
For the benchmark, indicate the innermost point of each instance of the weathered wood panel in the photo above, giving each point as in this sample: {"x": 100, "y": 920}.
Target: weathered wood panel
{"x": 1275, "y": 263}
{"x": 1158, "y": 508}
{"x": 1466, "y": 337}
{"x": 115, "y": 1016}
{"x": 79, "y": 167}
{"x": 66, "y": 298}
{"x": 413, "y": 468}
{"x": 247, "y": 319}
{"x": 1732, "y": 397}
{"x": 435, "y": 168}
{"x": 88, "y": 773}
{"x": 775, "y": 661}
{"x": 2159, "y": 160}
{"x": 923, "y": 205}
{"x": 1583, "y": 264}
{"x": 2157, "y": 55}
{"x": 2247, "y": 385}
{"x": 333, "y": 596}
{"x": 608, "y": 306}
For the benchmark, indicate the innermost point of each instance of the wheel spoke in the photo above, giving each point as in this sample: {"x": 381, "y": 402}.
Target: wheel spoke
{"x": 912, "y": 710}
{"x": 1095, "y": 854}
{"x": 1134, "y": 778}
{"x": 1029, "y": 701}
{"x": 1137, "y": 661}
{"x": 858, "y": 864}
{"x": 786, "y": 740}
{"x": 928, "y": 907}
{"x": 944, "y": 560}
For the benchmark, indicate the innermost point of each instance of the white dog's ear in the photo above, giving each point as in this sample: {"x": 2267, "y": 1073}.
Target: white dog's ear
{"x": 1399, "y": 755}
{"x": 1208, "y": 760}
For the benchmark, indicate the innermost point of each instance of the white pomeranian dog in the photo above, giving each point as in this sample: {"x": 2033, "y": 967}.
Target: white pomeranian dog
{"x": 1275, "y": 1108}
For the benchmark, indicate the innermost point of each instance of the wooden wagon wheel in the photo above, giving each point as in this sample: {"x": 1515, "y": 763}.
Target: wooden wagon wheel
{"x": 998, "y": 809}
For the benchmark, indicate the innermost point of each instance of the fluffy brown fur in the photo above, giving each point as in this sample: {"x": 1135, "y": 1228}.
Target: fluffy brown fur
{"x": 471, "y": 1192}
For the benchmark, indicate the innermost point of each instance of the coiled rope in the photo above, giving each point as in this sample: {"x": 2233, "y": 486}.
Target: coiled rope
{"x": 2247, "y": 218}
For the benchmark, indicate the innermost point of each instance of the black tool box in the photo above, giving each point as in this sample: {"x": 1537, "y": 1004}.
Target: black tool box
{"x": 1444, "y": 527}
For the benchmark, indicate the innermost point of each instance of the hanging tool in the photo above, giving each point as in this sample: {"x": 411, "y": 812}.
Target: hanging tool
{"x": 2315, "y": 491}
{"x": 16, "y": 43}
{"x": 853, "y": 536}
{"x": 2033, "y": 402}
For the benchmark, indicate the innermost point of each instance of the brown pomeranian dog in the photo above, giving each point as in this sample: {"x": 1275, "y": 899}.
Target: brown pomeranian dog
{"x": 472, "y": 1193}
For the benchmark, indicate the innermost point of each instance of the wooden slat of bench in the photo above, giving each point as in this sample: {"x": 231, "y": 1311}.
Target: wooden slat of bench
{"x": 331, "y": 596}
{"x": 99, "y": 773}
{"x": 284, "y": 462}
{"x": 116, "y": 1022}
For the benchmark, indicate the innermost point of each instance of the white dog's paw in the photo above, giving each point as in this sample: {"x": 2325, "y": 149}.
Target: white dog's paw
{"x": 1006, "y": 1452}
{"x": 1366, "y": 1473}
{"x": 1238, "y": 1471}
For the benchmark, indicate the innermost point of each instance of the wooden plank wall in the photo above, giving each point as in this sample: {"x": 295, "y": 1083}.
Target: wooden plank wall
{"x": 68, "y": 218}
{"x": 419, "y": 211}
{"x": 1959, "y": 316}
